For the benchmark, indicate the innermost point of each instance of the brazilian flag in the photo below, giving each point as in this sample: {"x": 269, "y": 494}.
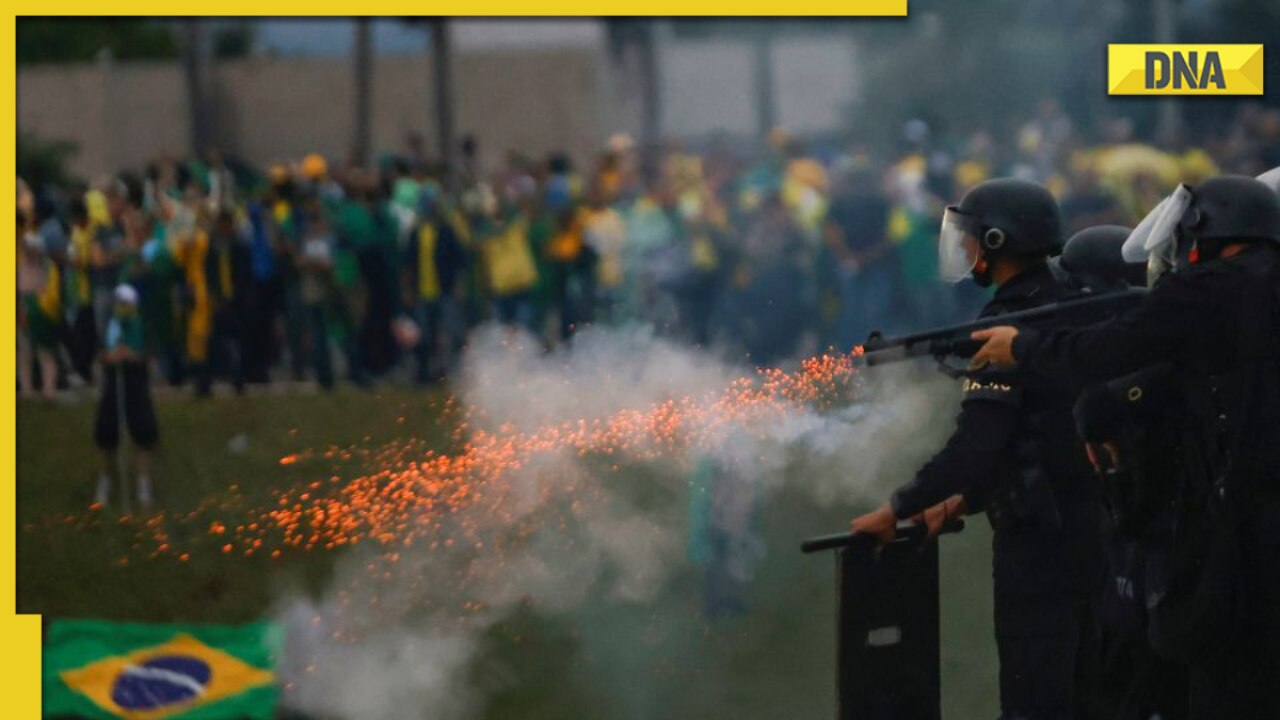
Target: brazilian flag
{"x": 98, "y": 669}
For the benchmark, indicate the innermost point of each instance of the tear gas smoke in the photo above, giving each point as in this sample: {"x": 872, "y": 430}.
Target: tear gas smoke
{"x": 564, "y": 528}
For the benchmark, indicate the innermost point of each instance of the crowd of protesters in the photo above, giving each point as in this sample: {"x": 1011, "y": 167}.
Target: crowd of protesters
{"x": 310, "y": 270}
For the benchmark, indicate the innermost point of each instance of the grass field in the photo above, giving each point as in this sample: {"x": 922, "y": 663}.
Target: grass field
{"x": 658, "y": 660}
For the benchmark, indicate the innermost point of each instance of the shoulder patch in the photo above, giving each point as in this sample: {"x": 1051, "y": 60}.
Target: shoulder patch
{"x": 993, "y": 386}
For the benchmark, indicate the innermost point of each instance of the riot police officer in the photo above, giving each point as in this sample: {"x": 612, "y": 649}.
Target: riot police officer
{"x": 1216, "y": 321}
{"x": 1133, "y": 432}
{"x": 1092, "y": 262}
{"x": 1014, "y": 454}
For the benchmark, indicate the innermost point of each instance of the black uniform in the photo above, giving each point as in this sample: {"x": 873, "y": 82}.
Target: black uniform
{"x": 1136, "y": 426}
{"x": 1015, "y": 451}
{"x": 1218, "y": 324}
{"x": 1144, "y": 419}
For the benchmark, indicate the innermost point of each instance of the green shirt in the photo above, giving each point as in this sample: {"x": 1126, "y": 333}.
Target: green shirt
{"x": 125, "y": 331}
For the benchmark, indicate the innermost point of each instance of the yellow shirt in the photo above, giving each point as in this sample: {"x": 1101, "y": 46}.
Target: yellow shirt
{"x": 189, "y": 254}
{"x": 428, "y": 276}
{"x": 605, "y": 230}
{"x": 82, "y": 249}
{"x": 50, "y": 298}
{"x": 566, "y": 245}
{"x": 509, "y": 261}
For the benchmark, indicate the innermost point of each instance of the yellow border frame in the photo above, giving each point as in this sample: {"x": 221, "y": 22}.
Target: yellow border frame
{"x": 20, "y": 635}
{"x": 514, "y": 8}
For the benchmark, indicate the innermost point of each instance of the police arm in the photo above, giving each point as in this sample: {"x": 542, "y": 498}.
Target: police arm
{"x": 1160, "y": 329}
{"x": 984, "y": 429}
{"x": 988, "y": 419}
{"x": 935, "y": 518}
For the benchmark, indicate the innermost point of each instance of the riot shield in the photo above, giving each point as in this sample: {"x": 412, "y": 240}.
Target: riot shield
{"x": 887, "y": 647}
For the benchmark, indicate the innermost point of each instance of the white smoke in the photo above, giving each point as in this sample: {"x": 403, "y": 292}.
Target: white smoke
{"x": 397, "y": 637}
{"x": 507, "y": 378}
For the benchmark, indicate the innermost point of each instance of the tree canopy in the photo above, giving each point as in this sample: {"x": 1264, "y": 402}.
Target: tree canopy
{"x": 60, "y": 40}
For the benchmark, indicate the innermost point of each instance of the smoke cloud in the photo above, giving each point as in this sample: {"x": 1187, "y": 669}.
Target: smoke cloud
{"x": 401, "y": 630}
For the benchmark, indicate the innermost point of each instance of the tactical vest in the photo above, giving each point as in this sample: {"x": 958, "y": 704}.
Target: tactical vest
{"x": 1022, "y": 495}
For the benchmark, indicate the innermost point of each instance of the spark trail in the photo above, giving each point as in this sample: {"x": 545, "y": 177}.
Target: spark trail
{"x": 415, "y": 495}
{"x": 408, "y": 501}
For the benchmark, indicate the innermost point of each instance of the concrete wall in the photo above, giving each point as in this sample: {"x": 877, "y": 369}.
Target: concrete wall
{"x": 116, "y": 116}
{"x": 709, "y": 85}
{"x": 535, "y": 99}
{"x": 267, "y": 109}
{"x": 816, "y": 81}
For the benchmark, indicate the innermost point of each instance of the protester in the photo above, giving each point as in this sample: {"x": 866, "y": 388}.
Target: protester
{"x": 766, "y": 251}
{"x": 856, "y": 232}
{"x": 605, "y": 234}
{"x": 125, "y": 398}
{"x": 509, "y": 264}
{"x": 82, "y": 334}
{"x": 434, "y": 260}
{"x": 317, "y": 289}
{"x": 226, "y": 277}
{"x": 38, "y": 312}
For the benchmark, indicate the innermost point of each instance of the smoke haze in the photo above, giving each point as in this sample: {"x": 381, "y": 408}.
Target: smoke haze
{"x": 594, "y": 543}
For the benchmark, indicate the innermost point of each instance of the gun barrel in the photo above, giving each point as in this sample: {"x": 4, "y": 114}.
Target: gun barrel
{"x": 936, "y": 347}
{"x": 954, "y": 340}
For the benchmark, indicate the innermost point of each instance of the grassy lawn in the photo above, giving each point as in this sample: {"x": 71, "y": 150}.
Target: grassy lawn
{"x": 659, "y": 660}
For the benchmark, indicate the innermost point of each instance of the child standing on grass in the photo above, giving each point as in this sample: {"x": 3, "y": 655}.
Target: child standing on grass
{"x": 126, "y": 391}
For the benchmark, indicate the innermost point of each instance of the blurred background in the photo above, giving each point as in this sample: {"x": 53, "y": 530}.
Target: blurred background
{"x": 636, "y": 155}
{"x": 372, "y": 241}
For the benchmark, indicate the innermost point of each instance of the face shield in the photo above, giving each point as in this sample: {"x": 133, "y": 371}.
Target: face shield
{"x": 1271, "y": 179}
{"x": 1155, "y": 239}
{"x": 957, "y": 245}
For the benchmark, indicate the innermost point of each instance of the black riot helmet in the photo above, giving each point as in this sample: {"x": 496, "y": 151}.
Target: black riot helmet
{"x": 1004, "y": 218}
{"x": 1091, "y": 260}
{"x": 1230, "y": 209}
{"x": 1190, "y": 225}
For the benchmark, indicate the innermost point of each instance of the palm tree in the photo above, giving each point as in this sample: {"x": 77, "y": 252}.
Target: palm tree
{"x": 197, "y": 68}
{"x": 362, "y": 57}
{"x": 633, "y": 46}
{"x": 442, "y": 83}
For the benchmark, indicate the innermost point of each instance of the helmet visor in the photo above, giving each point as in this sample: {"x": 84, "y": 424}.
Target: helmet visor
{"x": 1155, "y": 238}
{"x": 957, "y": 245}
{"x": 1271, "y": 179}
